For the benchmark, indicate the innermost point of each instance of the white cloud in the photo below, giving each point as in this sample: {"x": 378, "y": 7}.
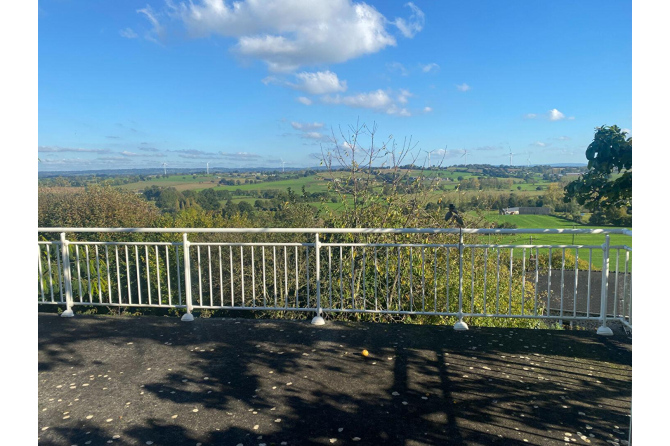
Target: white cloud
{"x": 378, "y": 100}
{"x": 306, "y": 126}
{"x": 555, "y": 115}
{"x": 55, "y": 149}
{"x": 128, "y": 33}
{"x": 427, "y": 109}
{"x": 430, "y": 67}
{"x": 463, "y": 87}
{"x": 321, "y": 82}
{"x": 303, "y": 100}
{"x": 539, "y": 144}
{"x": 530, "y": 116}
{"x": 414, "y": 24}
{"x": 287, "y": 34}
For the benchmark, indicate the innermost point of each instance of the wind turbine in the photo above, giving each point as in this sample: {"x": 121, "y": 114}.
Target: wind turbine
{"x": 529, "y": 154}
{"x": 282, "y": 164}
{"x": 510, "y": 156}
{"x": 164, "y": 169}
{"x": 207, "y": 168}
{"x": 465, "y": 154}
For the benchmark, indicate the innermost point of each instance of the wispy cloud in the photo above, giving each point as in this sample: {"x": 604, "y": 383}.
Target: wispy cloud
{"x": 55, "y": 149}
{"x": 306, "y": 126}
{"x": 304, "y": 100}
{"x": 430, "y": 68}
{"x": 246, "y": 156}
{"x": 157, "y": 32}
{"x": 463, "y": 87}
{"x": 410, "y": 27}
{"x": 397, "y": 67}
{"x": 128, "y": 33}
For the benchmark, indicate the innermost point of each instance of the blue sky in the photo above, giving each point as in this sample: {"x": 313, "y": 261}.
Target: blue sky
{"x": 138, "y": 84}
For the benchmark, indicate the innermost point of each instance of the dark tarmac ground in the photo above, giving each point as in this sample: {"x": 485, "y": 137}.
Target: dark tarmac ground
{"x": 150, "y": 380}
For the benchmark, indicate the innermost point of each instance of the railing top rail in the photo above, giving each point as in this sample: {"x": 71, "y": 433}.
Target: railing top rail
{"x": 345, "y": 230}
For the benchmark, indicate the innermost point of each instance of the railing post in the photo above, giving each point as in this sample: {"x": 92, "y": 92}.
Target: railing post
{"x": 460, "y": 325}
{"x": 187, "y": 280}
{"x": 604, "y": 282}
{"x": 318, "y": 320}
{"x": 65, "y": 253}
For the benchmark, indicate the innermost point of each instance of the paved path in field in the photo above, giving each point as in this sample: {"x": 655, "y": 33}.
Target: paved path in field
{"x": 156, "y": 380}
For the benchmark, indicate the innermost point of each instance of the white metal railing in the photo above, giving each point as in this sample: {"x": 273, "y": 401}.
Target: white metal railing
{"x": 411, "y": 271}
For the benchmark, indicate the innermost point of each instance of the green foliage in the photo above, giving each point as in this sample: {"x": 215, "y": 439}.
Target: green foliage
{"x": 611, "y": 152}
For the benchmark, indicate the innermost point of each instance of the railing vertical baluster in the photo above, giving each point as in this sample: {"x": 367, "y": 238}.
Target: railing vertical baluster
{"x": 411, "y": 274}
{"x": 137, "y": 272}
{"x": 187, "y": 280}
{"x": 423, "y": 279}
{"x": 511, "y": 272}
{"x": 274, "y": 274}
{"x": 588, "y": 284}
{"x": 353, "y": 302}
{"x": 253, "y": 278}
{"x": 285, "y": 278}
{"x": 209, "y": 277}
{"x": 264, "y": 287}
{"x": 549, "y": 286}
{"x": 447, "y": 279}
{"x": 176, "y": 258}
{"x": 297, "y": 281}
{"x": 398, "y": 280}
{"x": 66, "y": 276}
{"x": 562, "y": 281}
{"x": 307, "y": 303}
{"x": 221, "y": 277}
{"x": 388, "y": 295}
{"x": 341, "y": 282}
{"x": 375, "y": 286}
{"x": 76, "y": 253}
{"x": 39, "y": 271}
{"x": 574, "y": 293}
{"x": 146, "y": 258}
{"x": 472, "y": 280}
{"x": 60, "y": 275}
{"x": 130, "y": 301}
{"x": 523, "y": 282}
{"x": 158, "y": 275}
{"x": 167, "y": 270}
{"x": 51, "y": 282}
{"x": 498, "y": 282}
{"x": 537, "y": 279}
{"x": 242, "y": 273}
{"x": 460, "y": 325}
{"x": 109, "y": 276}
{"x": 363, "y": 273}
{"x": 199, "y": 276}
{"x": 604, "y": 283}
{"x": 88, "y": 276}
{"x": 435, "y": 278}
{"x": 317, "y": 320}
{"x": 625, "y": 283}
{"x": 486, "y": 258}
{"x": 617, "y": 302}
{"x": 330, "y": 278}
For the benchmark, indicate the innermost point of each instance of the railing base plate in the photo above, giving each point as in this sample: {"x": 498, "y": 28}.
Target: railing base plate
{"x": 604, "y": 331}
{"x": 188, "y": 317}
{"x": 461, "y": 326}
{"x": 67, "y": 313}
{"x": 318, "y": 320}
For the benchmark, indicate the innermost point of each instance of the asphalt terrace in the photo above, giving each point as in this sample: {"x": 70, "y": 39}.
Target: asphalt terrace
{"x": 156, "y": 380}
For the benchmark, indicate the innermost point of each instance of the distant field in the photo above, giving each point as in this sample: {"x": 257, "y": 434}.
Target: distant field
{"x": 552, "y": 222}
